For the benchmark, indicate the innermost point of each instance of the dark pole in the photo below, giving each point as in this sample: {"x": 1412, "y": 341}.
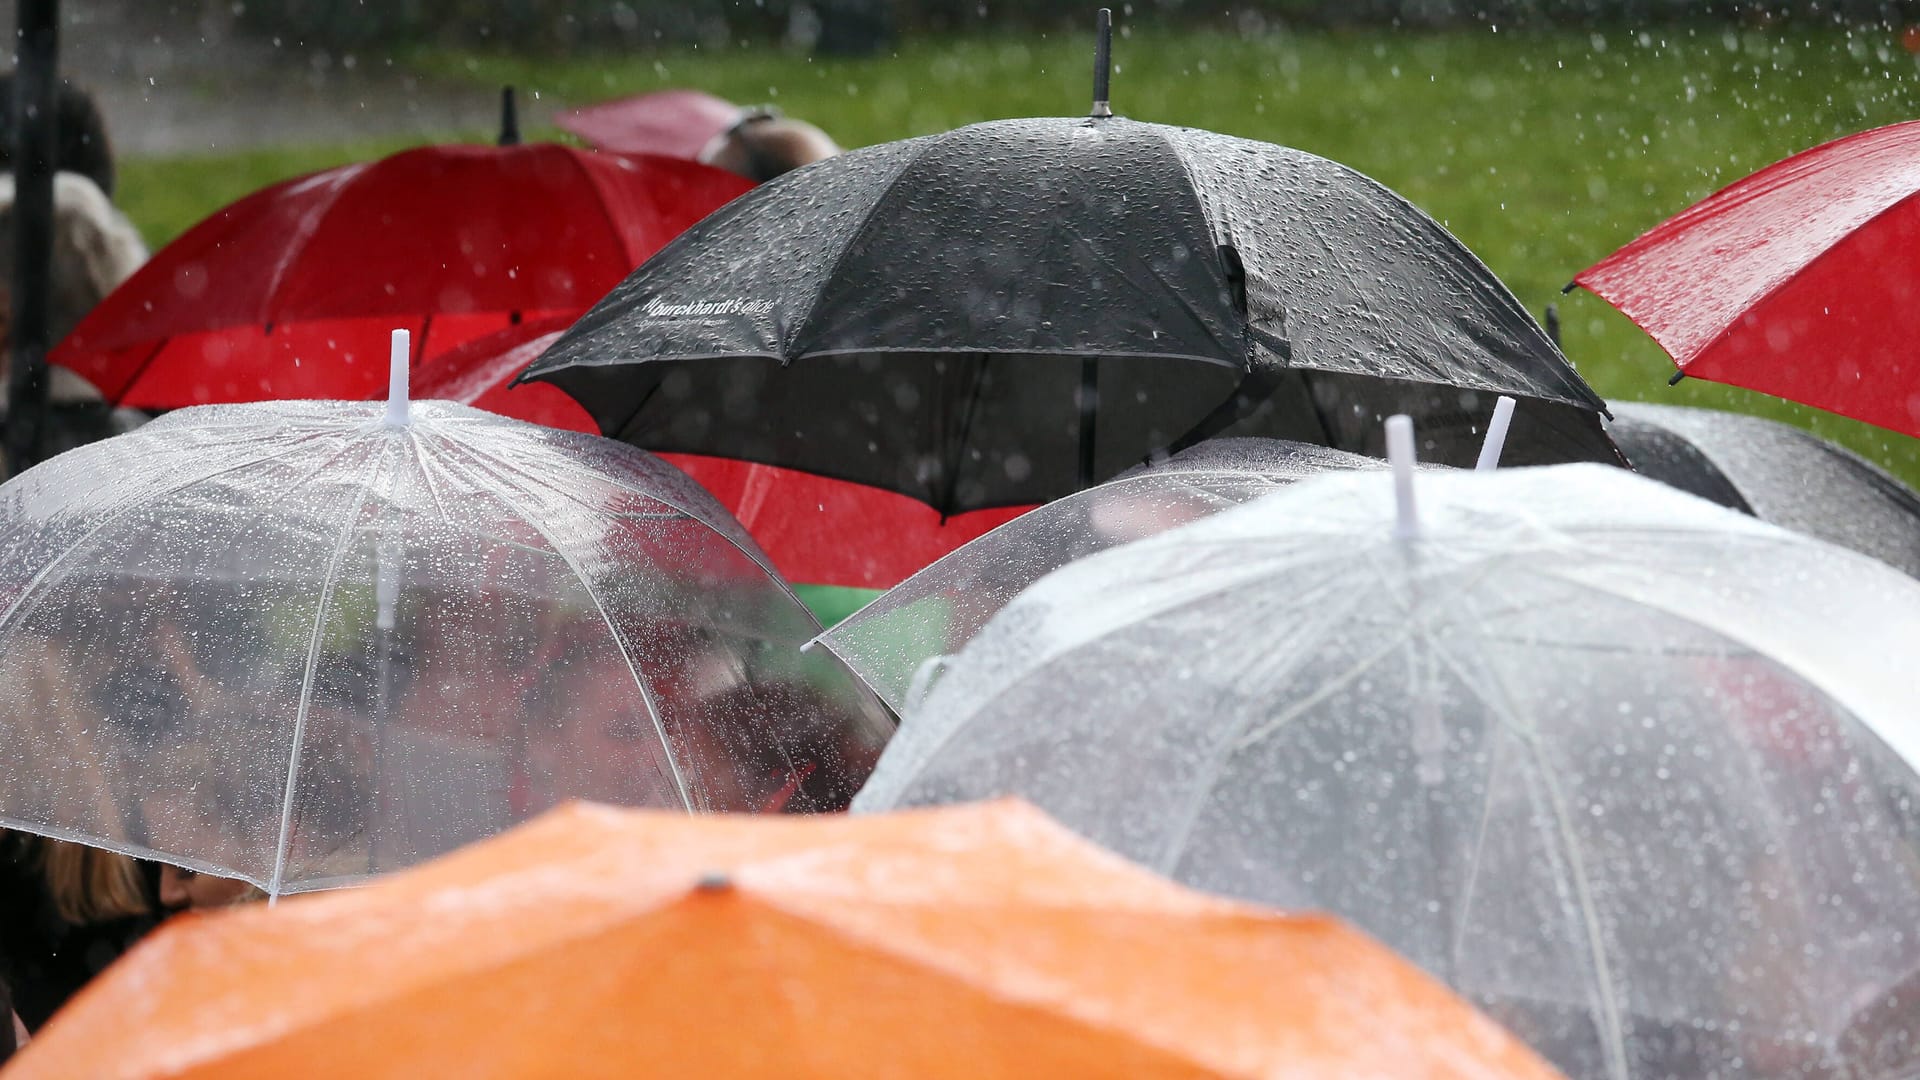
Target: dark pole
{"x": 36, "y": 56}
{"x": 509, "y": 118}
{"x": 1102, "y": 57}
{"x": 1553, "y": 324}
{"x": 1089, "y": 411}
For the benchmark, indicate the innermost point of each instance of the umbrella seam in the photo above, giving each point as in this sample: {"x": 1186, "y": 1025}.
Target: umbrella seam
{"x": 759, "y": 559}
{"x": 789, "y": 347}
{"x": 313, "y": 659}
{"x": 619, "y": 641}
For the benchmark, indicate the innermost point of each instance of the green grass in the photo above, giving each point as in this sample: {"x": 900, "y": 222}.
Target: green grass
{"x": 1542, "y": 151}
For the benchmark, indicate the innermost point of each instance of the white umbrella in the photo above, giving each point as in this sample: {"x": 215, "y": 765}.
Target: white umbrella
{"x": 1629, "y": 769}
{"x": 300, "y": 643}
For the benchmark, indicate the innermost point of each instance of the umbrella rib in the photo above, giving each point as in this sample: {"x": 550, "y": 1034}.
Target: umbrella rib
{"x": 758, "y": 558}
{"x": 1613, "y": 1036}
{"x": 1233, "y": 742}
{"x": 313, "y": 660}
{"x": 579, "y": 574}
{"x": 960, "y": 446}
{"x": 845, "y": 253}
{"x": 303, "y": 235}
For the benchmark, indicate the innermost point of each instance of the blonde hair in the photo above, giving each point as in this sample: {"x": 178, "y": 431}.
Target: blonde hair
{"x": 88, "y": 884}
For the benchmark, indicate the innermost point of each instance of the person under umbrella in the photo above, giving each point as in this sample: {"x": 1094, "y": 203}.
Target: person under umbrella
{"x": 1632, "y": 771}
{"x": 758, "y": 143}
{"x": 1013, "y": 311}
{"x": 356, "y": 603}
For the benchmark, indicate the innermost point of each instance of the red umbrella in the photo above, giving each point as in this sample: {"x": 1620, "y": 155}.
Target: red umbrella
{"x": 817, "y": 530}
{"x": 294, "y": 291}
{"x": 1800, "y": 280}
{"x": 677, "y": 123}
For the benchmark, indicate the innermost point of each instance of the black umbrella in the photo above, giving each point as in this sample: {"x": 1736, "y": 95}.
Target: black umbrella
{"x": 1008, "y": 312}
{"x": 1777, "y": 473}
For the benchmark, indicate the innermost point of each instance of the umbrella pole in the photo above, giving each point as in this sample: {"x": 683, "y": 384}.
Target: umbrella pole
{"x": 34, "y": 138}
{"x": 1089, "y": 405}
{"x": 1102, "y": 61}
{"x": 509, "y": 118}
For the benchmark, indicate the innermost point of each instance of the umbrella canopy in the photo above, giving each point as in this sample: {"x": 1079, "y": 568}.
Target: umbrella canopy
{"x": 1776, "y": 472}
{"x": 1794, "y": 281}
{"x": 977, "y": 941}
{"x": 1009, "y": 312}
{"x": 1628, "y": 769}
{"x": 291, "y": 292}
{"x": 818, "y": 531}
{"x": 897, "y": 642}
{"x": 298, "y": 644}
{"x": 676, "y": 123}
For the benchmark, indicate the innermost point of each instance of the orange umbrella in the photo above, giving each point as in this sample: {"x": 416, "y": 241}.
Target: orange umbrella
{"x": 976, "y": 941}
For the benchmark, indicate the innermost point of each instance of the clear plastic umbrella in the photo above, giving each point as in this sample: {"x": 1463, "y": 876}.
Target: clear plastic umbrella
{"x": 898, "y": 642}
{"x": 300, "y": 643}
{"x": 1629, "y": 769}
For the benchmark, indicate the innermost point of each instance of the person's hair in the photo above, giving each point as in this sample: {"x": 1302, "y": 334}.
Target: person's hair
{"x": 82, "y": 147}
{"x": 762, "y": 144}
{"x": 95, "y": 247}
{"x": 91, "y": 885}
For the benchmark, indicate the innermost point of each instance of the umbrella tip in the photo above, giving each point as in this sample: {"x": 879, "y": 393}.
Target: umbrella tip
{"x": 713, "y": 881}
{"x": 509, "y": 118}
{"x": 1102, "y": 61}
{"x": 398, "y": 413}
{"x": 1400, "y": 456}
{"x": 1496, "y": 440}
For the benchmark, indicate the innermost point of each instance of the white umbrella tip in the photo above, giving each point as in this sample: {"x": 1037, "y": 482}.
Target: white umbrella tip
{"x": 398, "y": 414}
{"x": 1496, "y": 439}
{"x": 1400, "y": 456}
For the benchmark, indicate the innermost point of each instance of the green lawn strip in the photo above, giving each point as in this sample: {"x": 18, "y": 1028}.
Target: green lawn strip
{"x": 831, "y": 603}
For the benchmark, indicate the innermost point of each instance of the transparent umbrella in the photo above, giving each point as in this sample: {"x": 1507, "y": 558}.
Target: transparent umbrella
{"x": 1629, "y": 769}
{"x": 300, "y": 643}
{"x": 898, "y": 642}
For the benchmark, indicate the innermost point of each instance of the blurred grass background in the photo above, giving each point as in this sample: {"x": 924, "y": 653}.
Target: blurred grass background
{"x": 1542, "y": 150}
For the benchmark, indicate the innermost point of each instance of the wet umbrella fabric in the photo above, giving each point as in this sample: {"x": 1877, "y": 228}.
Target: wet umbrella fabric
{"x": 1629, "y": 770}
{"x": 897, "y": 643}
{"x": 1794, "y": 281}
{"x": 818, "y": 531}
{"x": 292, "y": 291}
{"x": 298, "y": 644}
{"x": 929, "y": 316}
{"x": 977, "y": 942}
{"x": 1775, "y": 472}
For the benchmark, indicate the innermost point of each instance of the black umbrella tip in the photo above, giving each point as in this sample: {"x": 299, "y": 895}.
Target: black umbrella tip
{"x": 1569, "y": 287}
{"x": 714, "y": 881}
{"x": 1677, "y": 376}
{"x": 1102, "y": 60}
{"x": 509, "y": 118}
